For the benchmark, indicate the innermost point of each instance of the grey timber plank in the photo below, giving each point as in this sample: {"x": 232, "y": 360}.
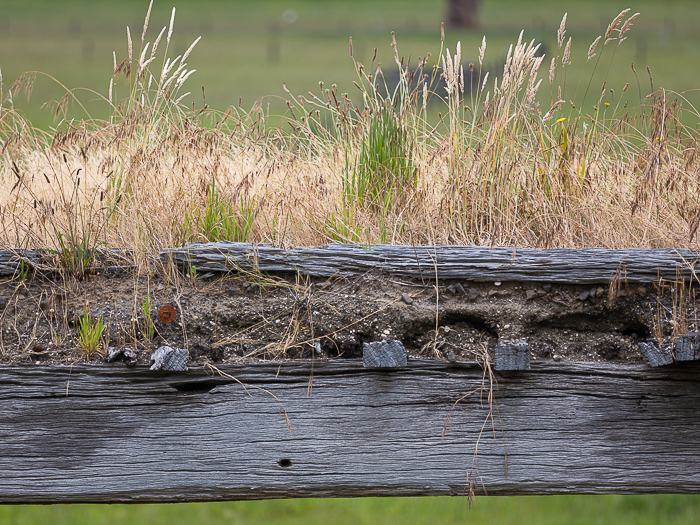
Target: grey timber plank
{"x": 10, "y": 261}
{"x": 475, "y": 263}
{"x": 116, "y": 434}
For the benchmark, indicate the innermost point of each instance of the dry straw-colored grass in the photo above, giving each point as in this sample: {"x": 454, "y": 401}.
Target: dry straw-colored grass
{"x": 498, "y": 169}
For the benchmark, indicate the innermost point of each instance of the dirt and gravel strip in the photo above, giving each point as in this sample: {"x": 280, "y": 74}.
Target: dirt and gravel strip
{"x": 226, "y": 318}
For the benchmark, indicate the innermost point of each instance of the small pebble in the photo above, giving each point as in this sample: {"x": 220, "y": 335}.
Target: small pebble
{"x": 530, "y": 294}
{"x": 407, "y": 298}
{"x": 384, "y": 288}
{"x": 497, "y": 283}
{"x": 451, "y": 288}
{"x": 451, "y": 357}
{"x": 461, "y": 289}
{"x": 583, "y": 296}
{"x": 547, "y": 288}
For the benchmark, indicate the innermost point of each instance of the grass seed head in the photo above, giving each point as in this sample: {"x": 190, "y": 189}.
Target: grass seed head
{"x": 561, "y": 32}
{"x": 145, "y": 23}
{"x": 616, "y": 22}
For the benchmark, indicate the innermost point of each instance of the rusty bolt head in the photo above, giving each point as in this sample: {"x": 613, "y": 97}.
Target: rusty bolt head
{"x": 167, "y": 314}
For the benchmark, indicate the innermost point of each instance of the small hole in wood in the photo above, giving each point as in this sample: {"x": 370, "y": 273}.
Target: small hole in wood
{"x": 200, "y": 387}
{"x": 284, "y": 462}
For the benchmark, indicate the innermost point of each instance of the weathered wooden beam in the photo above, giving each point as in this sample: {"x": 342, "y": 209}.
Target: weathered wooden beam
{"x": 475, "y": 263}
{"x": 105, "y": 259}
{"x": 112, "y": 433}
{"x": 11, "y": 261}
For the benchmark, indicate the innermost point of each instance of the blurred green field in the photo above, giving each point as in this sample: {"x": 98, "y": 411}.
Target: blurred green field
{"x": 249, "y": 49}
{"x": 522, "y": 510}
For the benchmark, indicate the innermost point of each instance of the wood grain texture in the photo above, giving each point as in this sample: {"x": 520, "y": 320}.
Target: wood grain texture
{"x": 473, "y": 263}
{"x": 512, "y": 356}
{"x": 10, "y": 261}
{"x": 104, "y": 260}
{"x": 134, "y": 435}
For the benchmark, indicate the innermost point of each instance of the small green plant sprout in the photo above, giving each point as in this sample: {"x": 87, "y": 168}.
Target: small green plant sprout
{"x": 89, "y": 333}
{"x": 148, "y": 330}
{"x": 22, "y": 273}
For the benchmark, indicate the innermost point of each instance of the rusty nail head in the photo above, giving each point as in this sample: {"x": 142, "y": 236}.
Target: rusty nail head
{"x": 167, "y": 314}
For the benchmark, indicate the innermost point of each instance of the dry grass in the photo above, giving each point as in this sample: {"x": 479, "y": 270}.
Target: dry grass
{"x": 497, "y": 169}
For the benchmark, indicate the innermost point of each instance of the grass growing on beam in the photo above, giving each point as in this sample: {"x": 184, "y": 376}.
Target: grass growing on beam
{"x": 366, "y": 167}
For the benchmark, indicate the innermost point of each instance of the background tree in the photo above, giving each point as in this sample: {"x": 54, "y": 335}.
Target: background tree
{"x": 463, "y": 13}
